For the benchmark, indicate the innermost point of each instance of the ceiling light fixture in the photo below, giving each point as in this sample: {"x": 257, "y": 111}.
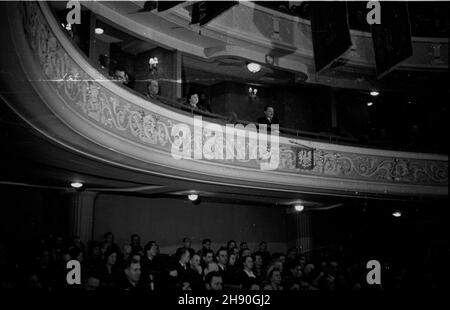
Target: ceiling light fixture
{"x": 299, "y": 208}
{"x": 374, "y": 93}
{"x": 76, "y": 184}
{"x": 369, "y": 104}
{"x": 193, "y": 197}
{"x": 396, "y": 214}
{"x": 253, "y": 67}
{"x": 99, "y": 30}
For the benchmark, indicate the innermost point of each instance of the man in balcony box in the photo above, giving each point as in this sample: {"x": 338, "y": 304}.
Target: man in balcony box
{"x": 121, "y": 75}
{"x": 269, "y": 118}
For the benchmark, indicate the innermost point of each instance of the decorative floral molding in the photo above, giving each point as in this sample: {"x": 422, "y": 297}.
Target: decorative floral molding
{"x": 96, "y": 104}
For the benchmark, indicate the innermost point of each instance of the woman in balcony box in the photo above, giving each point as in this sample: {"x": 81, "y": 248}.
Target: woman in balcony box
{"x": 153, "y": 90}
{"x": 197, "y": 101}
{"x": 193, "y": 100}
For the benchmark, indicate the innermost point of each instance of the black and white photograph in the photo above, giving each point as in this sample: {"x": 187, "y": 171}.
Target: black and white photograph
{"x": 245, "y": 147}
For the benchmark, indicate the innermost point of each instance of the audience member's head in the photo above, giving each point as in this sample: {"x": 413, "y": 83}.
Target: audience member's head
{"x": 136, "y": 257}
{"x": 274, "y": 276}
{"x": 109, "y": 238}
{"x": 232, "y": 259}
{"x": 94, "y": 251}
{"x": 127, "y": 249}
{"x": 91, "y": 283}
{"x": 247, "y": 262}
{"x": 135, "y": 240}
{"x": 153, "y": 88}
{"x": 245, "y": 252}
{"x": 121, "y": 75}
{"x": 208, "y": 256}
{"x": 231, "y": 244}
{"x": 75, "y": 253}
{"x": 187, "y": 242}
{"x": 292, "y": 254}
{"x": 297, "y": 271}
{"x": 213, "y": 281}
{"x": 206, "y": 244}
{"x": 183, "y": 255}
{"x": 210, "y": 267}
{"x": 258, "y": 260}
{"x": 151, "y": 249}
{"x": 262, "y": 246}
{"x": 193, "y": 99}
{"x": 222, "y": 256}
{"x": 132, "y": 271}
{"x": 195, "y": 261}
{"x": 111, "y": 257}
{"x": 243, "y": 245}
{"x": 309, "y": 269}
{"x": 269, "y": 112}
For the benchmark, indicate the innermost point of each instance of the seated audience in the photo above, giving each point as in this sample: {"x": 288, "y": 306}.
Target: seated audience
{"x": 45, "y": 269}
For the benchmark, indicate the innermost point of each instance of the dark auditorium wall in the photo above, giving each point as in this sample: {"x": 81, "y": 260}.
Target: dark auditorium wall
{"x": 100, "y": 48}
{"x": 28, "y": 213}
{"x": 233, "y": 97}
{"x": 296, "y": 107}
{"x": 169, "y": 220}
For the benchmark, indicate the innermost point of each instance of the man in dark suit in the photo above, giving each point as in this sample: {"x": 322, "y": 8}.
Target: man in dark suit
{"x": 132, "y": 279}
{"x": 269, "y": 117}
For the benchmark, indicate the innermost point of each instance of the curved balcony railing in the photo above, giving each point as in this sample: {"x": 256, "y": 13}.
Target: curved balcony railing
{"x": 141, "y": 135}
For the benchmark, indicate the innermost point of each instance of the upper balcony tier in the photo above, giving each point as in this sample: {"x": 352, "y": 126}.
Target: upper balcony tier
{"x": 252, "y": 31}
{"x": 73, "y": 104}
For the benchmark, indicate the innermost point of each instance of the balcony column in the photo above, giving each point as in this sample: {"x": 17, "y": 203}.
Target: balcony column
{"x": 80, "y": 211}
{"x": 177, "y": 86}
{"x": 333, "y": 108}
{"x": 304, "y": 241}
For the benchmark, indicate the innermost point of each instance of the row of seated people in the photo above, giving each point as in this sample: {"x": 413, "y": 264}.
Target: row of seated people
{"x": 195, "y": 100}
{"x": 105, "y": 266}
{"x": 198, "y": 103}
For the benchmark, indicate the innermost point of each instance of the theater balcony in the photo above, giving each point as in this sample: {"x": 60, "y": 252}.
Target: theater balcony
{"x": 86, "y": 119}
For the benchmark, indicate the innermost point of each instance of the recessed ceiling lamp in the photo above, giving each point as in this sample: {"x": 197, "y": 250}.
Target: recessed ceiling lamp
{"x": 396, "y": 214}
{"x": 299, "y": 208}
{"x": 253, "y": 67}
{"x": 76, "y": 184}
{"x": 99, "y": 30}
{"x": 369, "y": 104}
{"x": 374, "y": 93}
{"x": 193, "y": 197}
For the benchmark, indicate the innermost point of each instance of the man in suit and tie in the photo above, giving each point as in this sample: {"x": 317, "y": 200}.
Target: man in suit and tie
{"x": 269, "y": 117}
{"x": 222, "y": 261}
